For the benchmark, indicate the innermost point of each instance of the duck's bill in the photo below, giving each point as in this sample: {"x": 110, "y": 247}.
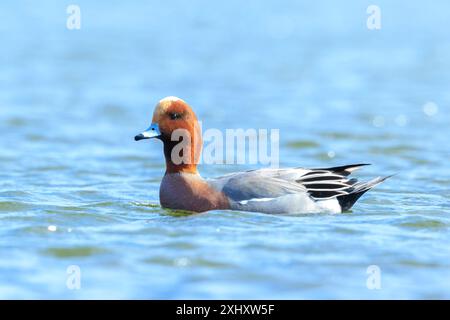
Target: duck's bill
{"x": 152, "y": 132}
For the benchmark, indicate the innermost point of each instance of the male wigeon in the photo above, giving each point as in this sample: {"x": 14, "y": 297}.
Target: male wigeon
{"x": 294, "y": 190}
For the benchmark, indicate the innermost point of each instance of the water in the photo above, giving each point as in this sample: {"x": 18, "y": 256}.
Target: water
{"x": 72, "y": 101}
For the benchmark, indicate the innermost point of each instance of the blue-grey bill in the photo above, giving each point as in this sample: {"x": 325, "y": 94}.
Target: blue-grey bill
{"x": 152, "y": 132}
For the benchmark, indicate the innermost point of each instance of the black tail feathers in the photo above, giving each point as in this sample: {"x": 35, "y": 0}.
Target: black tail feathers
{"x": 346, "y": 201}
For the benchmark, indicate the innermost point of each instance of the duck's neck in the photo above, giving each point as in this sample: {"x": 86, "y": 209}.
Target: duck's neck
{"x": 177, "y": 162}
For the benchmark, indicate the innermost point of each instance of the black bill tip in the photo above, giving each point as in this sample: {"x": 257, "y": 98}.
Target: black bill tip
{"x": 139, "y": 137}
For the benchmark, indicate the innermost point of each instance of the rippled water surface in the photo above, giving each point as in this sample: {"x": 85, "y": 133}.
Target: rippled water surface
{"x": 75, "y": 189}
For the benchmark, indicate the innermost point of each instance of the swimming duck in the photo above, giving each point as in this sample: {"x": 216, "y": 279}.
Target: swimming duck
{"x": 275, "y": 191}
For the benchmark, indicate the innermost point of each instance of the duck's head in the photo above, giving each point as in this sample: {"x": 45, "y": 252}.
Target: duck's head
{"x": 176, "y": 125}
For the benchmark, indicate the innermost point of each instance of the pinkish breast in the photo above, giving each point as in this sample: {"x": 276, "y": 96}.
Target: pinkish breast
{"x": 187, "y": 191}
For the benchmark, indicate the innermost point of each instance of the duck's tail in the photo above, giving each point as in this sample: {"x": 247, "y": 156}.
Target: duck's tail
{"x": 346, "y": 201}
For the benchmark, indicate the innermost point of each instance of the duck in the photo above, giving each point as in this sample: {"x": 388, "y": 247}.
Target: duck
{"x": 268, "y": 190}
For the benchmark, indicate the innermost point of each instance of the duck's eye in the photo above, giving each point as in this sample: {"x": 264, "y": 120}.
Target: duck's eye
{"x": 175, "y": 116}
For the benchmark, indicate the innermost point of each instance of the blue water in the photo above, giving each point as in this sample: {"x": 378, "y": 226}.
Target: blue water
{"x": 71, "y": 102}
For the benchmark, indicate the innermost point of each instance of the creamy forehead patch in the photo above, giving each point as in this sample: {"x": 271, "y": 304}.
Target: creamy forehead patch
{"x": 170, "y": 99}
{"x": 163, "y": 104}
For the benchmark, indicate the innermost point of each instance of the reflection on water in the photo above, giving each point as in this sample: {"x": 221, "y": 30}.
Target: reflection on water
{"x": 71, "y": 102}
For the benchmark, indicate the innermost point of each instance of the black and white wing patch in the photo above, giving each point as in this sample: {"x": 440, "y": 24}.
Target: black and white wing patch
{"x": 328, "y": 183}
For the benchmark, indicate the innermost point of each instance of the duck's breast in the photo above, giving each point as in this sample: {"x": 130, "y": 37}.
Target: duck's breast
{"x": 190, "y": 192}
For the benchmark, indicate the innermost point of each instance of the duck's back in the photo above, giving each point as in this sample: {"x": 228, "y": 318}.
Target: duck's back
{"x": 296, "y": 190}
